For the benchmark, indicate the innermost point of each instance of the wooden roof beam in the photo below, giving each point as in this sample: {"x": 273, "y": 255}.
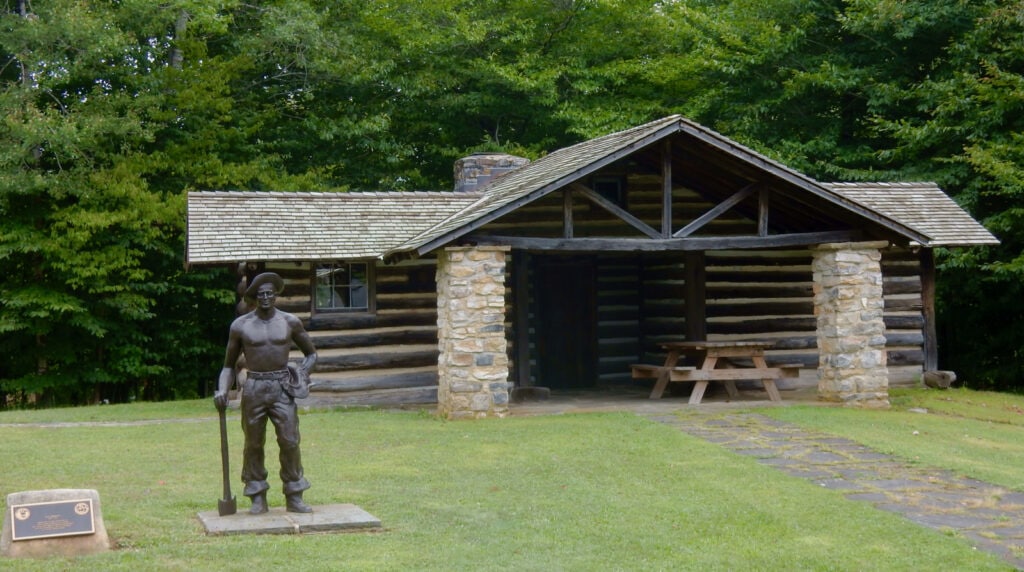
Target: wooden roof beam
{"x": 615, "y": 209}
{"x": 716, "y": 211}
{"x": 663, "y": 245}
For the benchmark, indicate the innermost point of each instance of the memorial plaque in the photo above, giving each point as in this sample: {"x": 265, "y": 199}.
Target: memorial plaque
{"x": 51, "y": 519}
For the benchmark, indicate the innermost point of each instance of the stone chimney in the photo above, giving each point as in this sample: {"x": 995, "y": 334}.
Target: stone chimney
{"x": 479, "y": 169}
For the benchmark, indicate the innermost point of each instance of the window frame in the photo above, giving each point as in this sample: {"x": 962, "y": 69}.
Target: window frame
{"x": 371, "y": 288}
{"x": 599, "y": 183}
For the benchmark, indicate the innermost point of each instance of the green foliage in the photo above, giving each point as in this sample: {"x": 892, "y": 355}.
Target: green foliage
{"x": 88, "y": 241}
{"x": 890, "y": 90}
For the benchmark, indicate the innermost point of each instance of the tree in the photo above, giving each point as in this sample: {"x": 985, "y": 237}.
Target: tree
{"x": 891, "y": 90}
{"x": 85, "y": 238}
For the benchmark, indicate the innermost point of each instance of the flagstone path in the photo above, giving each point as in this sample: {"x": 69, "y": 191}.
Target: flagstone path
{"x": 990, "y": 517}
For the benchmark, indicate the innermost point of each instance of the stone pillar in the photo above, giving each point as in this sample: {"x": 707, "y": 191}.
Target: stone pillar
{"x": 473, "y": 362}
{"x": 848, "y": 305}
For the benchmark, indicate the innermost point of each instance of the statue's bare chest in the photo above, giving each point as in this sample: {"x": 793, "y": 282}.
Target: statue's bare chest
{"x": 273, "y": 332}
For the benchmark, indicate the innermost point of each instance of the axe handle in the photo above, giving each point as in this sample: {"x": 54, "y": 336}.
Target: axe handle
{"x": 224, "y": 451}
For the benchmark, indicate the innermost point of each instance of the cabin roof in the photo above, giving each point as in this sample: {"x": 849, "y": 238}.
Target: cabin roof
{"x": 230, "y": 226}
{"x": 571, "y": 164}
{"x": 922, "y": 206}
{"x": 250, "y": 225}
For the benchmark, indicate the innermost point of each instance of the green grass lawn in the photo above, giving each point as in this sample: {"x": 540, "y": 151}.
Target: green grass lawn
{"x": 603, "y": 491}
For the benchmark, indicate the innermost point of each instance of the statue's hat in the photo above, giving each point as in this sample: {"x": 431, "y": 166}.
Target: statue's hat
{"x": 261, "y": 279}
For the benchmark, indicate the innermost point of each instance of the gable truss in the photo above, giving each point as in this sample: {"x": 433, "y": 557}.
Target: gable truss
{"x": 667, "y": 238}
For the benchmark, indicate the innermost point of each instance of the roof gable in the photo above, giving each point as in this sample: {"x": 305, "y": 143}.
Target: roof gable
{"x": 570, "y": 164}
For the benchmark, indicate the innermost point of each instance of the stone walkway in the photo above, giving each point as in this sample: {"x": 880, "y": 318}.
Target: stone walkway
{"x": 990, "y": 517}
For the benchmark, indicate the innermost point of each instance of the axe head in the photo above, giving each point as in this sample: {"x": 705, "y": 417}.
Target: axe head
{"x": 227, "y": 506}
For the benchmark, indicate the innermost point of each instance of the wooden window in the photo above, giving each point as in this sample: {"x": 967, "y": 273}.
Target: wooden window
{"x": 343, "y": 286}
{"x": 611, "y": 187}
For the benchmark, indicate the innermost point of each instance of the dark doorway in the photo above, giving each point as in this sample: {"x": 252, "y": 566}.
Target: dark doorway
{"x": 565, "y": 323}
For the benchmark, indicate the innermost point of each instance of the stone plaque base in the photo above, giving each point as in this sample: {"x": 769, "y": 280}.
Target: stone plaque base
{"x": 62, "y": 546}
{"x": 324, "y": 518}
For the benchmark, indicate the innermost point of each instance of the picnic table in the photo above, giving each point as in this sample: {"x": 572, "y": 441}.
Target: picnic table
{"x": 724, "y": 361}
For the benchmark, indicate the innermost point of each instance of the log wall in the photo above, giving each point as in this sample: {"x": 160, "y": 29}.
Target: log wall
{"x": 383, "y": 358}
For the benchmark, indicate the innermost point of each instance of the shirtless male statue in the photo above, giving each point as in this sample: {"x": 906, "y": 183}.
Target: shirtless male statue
{"x": 265, "y": 337}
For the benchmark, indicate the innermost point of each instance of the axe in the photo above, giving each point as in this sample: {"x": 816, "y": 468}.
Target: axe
{"x": 226, "y": 505}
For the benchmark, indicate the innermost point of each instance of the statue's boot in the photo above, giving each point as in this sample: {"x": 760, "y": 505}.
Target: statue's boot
{"x": 294, "y": 503}
{"x": 259, "y": 504}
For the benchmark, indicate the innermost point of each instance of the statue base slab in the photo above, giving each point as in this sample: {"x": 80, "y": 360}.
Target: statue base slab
{"x": 324, "y": 518}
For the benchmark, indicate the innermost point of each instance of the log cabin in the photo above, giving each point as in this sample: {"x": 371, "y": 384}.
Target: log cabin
{"x": 563, "y": 272}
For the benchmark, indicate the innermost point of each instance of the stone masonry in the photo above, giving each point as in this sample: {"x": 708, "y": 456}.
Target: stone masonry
{"x": 473, "y": 367}
{"x": 479, "y": 169}
{"x": 848, "y": 305}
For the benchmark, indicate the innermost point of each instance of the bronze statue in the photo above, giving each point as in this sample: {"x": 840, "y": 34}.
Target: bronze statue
{"x": 264, "y": 337}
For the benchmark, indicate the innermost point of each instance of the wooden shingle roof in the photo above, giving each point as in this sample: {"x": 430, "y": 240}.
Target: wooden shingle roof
{"x": 922, "y": 206}
{"x": 245, "y": 225}
{"x": 249, "y": 225}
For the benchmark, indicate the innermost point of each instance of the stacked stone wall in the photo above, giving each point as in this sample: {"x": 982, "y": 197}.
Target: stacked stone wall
{"x": 473, "y": 366}
{"x": 848, "y": 305}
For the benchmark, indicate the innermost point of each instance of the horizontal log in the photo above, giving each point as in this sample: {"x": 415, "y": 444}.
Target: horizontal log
{"x": 900, "y": 270}
{"x": 901, "y": 286}
{"x": 618, "y": 314}
{"x": 376, "y": 381}
{"x": 904, "y": 339}
{"x": 372, "y": 338}
{"x": 796, "y": 343}
{"x": 904, "y": 357}
{"x": 375, "y": 360}
{"x": 726, "y": 292}
{"x": 611, "y": 347}
{"x": 903, "y": 305}
{"x": 763, "y": 326}
{"x": 619, "y": 298}
{"x": 406, "y": 302}
{"x": 761, "y": 276}
{"x": 748, "y": 258}
{"x": 664, "y": 308}
{"x": 293, "y": 305}
{"x": 733, "y": 309}
{"x": 904, "y": 322}
{"x": 379, "y": 398}
{"x": 599, "y": 245}
{"x": 618, "y": 329}
{"x": 354, "y": 320}
{"x": 398, "y": 288}
{"x": 291, "y": 272}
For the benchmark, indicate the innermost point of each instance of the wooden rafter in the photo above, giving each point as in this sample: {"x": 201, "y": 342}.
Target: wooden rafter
{"x": 615, "y": 209}
{"x": 716, "y": 211}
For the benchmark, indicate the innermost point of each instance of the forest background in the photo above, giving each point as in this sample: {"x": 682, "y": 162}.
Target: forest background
{"x": 111, "y": 110}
